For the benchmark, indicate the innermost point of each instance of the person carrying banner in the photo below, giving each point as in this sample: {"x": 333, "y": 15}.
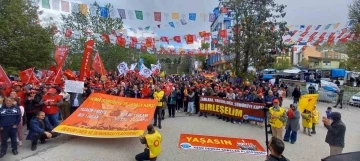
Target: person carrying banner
{"x": 277, "y": 120}
{"x": 152, "y": 141}
{"x": 159, "y": 96}
{"x": 40, "y": 129}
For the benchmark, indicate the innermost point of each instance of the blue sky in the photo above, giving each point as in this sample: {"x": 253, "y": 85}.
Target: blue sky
{"x": 303, "y": 12}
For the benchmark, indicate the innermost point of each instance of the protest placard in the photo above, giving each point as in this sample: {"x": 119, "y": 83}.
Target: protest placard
{"x": 74, "y": 86}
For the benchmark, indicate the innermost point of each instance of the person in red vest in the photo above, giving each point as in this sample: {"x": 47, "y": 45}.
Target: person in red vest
{"x": 20, "y": 93}
{"x": 50, "y": 105}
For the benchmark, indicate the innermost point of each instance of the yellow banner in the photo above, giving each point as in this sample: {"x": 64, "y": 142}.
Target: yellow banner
{"x": 307, "y": 102}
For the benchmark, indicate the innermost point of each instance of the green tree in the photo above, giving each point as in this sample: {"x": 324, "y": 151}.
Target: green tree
{"x": 92, "y": 26}
{"x": 179, "y": 60}
{"x": 168, "y": 60}
{"x": 353, "y": 47}
{"x": 253, "y": 32}
{"x": 304, "y": 63}
{"x": 24, "y": 43}
{"x": 148, "y": 59}
{"x": 205, "y": 45}
{"x": 282, "y": 64}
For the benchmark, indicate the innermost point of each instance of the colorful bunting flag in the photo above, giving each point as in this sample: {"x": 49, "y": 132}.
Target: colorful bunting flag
{"x": 45, "y": 4}
{"x": 172, "y": 24}
{"x": 139, "y": 15}
{"x": 192, "y": 16}
{"x": 158, "y": 26}
{"x": 122, "y": 14}
{"x": 183, "y": 21}
{"x": 140, "y": 29}
{"x": 131, "y": 15}
{"x": 318, "y": 27}
{"x": 74, "y": 7}
{"x": 83, "y": 9}
{"x": 212, "y": 17}
{"x": 302, "y": 27}
{"x": 175, "y": 16}
{"x": 133, "y": 30}
{"x": 336, "y": 25}
{"x": 104, "y": 12}
{"x": 147, "y": 28}
{"x": 157, "y": 16}
{"x": 328, "y": 26}
{"x": 56, "y": 5}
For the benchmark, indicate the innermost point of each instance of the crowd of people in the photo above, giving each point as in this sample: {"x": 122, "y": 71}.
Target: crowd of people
{"x": 41, "y": 106}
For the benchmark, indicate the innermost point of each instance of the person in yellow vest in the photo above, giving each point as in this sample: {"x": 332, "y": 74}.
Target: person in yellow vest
{"x": 307, "y": 121}
{"x": 315, "y": 119}
{"x": 277, "y": 119}
{"x": 159, "y": 96}
{"x": 152, "y": 141}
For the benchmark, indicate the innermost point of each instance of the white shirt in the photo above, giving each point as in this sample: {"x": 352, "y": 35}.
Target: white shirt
{"x": 22, "y": 111}
{"x": 66, "y": 96}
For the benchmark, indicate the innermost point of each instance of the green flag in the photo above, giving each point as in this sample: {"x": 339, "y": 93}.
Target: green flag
{"x": 147, "y": 28}
{"x": 45, "y": 4}
{"x": 139, "y": 15}
{"x": 328, "y": 26}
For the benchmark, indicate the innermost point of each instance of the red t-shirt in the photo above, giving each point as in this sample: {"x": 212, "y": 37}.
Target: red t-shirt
{"x": 21, "y": 95}
{"x": 51, "y": 109}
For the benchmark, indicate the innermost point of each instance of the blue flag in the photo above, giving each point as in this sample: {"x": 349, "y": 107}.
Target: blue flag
{"x": 104, "y": 12}
{"x": 192, "y": 16}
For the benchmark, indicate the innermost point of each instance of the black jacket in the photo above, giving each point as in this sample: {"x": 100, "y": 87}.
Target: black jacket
{"x": 336, "y": 131}
{"x": 296, "y": 93}
{"x": 32, "y": 106}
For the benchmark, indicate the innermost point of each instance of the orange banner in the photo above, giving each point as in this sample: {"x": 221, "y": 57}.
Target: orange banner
{"x": 220, "y": 144}
{"x": 107, "y": 116}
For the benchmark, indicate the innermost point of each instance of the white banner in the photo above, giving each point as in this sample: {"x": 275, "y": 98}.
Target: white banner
{"x": 123, "y": 68}
{"x": 145, "y": 72}
{"x": 74, "y": 86}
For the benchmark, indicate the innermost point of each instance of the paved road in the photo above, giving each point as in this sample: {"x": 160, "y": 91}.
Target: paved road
{"x": 71, "y": 148}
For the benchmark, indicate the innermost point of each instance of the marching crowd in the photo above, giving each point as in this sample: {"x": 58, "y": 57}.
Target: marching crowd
{"x": 41, "y": 106}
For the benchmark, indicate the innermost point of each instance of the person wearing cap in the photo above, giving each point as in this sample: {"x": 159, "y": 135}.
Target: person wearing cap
{"x": 278, "y": 119}
{"x": 335, "y": 136}
{"x": 50, "y": 105}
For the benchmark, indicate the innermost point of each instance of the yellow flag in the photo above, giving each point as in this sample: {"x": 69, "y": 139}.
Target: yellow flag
{"x": 175, "y": 16}
{"x": 162, "y": 74}
{"x": 307, "y": 102}
{"x": 290, "y": 26}
{"x": 336, "y": 25}
{"x": 83, "y": 9}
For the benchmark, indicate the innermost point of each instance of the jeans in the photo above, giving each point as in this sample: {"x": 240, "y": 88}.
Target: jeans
{"x": 296, "y": 100}
{"x": 6, "y": 133}
{"x": 190, "y": 108}
{"x": 313, "y": 128}
{"x": 53, "y": 119}
{"x": 157, "y": 116}
{"x": 290, "y": 135}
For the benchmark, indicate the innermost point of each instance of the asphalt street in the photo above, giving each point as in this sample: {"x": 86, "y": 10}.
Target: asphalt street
{"x": 72, "y": 148}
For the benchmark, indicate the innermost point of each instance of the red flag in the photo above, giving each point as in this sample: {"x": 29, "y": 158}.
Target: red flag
{"x": 164, "y": 39}
{"x": 177, "y": 39}
{"x": 60, "y": 54}
{"x": 207, "y": 36}
{"x": 69, "y": 74}
{"x": 308, "y": 28}
{"x": 4, "y": 78}
{"x": 223, "y": 33}
{"x": 133, "y": 39}
{"x": 189, "y": 39}
{"x": 223, "y": 10}
{"x": 120, "y": 41}
{"x": 55, "y": 77}
{"x": 68, "y": 33}
{"x": 85, "y": 62}
{"x": 304, "y": 34}
{"x": 106, "y": 38}
{"x": 132, "y": 45}
{"x": 322, "y": 35}
{"x": 98, "y": 65}
{"x": 143, "y": 48}
{"x": 294, "y": 32}
{"x": 27, "y": 76}
{"x": 300, "y": 39}
{"x": 202, "y": 33}
{"x": 149, "y": 42}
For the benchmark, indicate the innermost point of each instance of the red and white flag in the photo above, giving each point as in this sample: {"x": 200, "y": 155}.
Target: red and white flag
{"x": 4, "y": 78}
{"x": 98, "y": 65}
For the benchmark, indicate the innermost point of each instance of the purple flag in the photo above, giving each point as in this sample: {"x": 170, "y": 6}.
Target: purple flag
{"x": 122, "y": 13}
{"x": 211, "y": 17}
{"x": 318, "y": 27}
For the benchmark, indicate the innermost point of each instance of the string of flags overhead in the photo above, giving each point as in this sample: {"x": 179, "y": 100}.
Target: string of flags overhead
{"x": 172, "y": 18}
{"x": 319, "y": 34}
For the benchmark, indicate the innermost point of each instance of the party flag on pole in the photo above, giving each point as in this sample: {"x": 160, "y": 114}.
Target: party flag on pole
{"x": 83, "y": 9}
{"x": 139, "y": 15}
{"x": 328, "y": 26}
{"x": 157, "y": 16}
